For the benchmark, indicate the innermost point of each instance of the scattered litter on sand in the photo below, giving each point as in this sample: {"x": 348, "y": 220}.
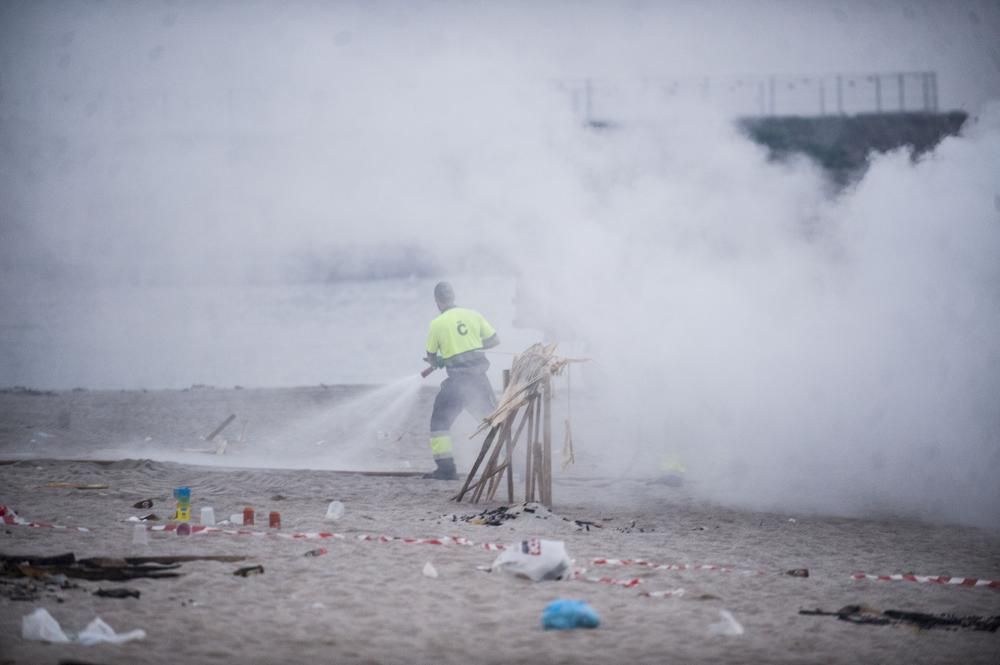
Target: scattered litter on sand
{"x": 249, "y": 570}
{"x": 632, "y": 528}
{"x": 151, "y": 517}
{"x": 42, "y": 627}
{"x": 727, "y": 625}
{"x": 60, "y": 567}
{"x": 535, "y": 560}
{"x": 373, "y": 560}
{"x": 565, "y": 614}
{"x": 862, "y": 614}
{"x": 497, "y": 516}
{"x": 140, "y": 535}
{"x": 31, "y": 589}
{"x": 99, "y": 632}
{"x": 120, "y": 592}
{"x": 334, "y": 511}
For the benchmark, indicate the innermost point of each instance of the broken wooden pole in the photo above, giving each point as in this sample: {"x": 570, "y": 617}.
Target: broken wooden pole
{"x": 224, "y": 425}
{"x": 488, "y": 472}
{"x": 479, "y": 460}
{"x": 547, "y": 442}
{"x": 506, "y": 442}
{"x": 529, "y": 466}
{"x": 510, "y": 468}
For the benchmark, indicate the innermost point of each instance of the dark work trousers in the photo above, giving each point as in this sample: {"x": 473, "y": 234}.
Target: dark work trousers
{"x": 470, "y": 391}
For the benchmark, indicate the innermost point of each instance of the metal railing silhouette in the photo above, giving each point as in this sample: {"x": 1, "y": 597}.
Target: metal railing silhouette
{"x": 598, "y": 100}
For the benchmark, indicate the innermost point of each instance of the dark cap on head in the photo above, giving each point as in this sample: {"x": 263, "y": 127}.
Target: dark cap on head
{"x": 444, "y": 294}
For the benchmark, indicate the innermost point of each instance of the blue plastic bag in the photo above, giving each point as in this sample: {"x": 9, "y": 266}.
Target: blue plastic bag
{"x": 565, "y": 614}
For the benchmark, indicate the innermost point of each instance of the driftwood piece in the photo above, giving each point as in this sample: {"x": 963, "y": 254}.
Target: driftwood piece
{"x": 118, "y": 593}
{"x": 109, "y": 574}
{"x": 101, "y": 568}
{"x": 67, "y": 559}
{"x": 183, "y": 558}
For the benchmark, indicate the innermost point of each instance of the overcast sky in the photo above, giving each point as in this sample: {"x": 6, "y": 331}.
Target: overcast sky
{"x": 85, "y": 43}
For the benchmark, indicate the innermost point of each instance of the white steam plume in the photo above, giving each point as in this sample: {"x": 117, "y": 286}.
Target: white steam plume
{"x": 838, "y": 354}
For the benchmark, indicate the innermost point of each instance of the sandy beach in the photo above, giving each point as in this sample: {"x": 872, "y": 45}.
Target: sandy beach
{"x": 367, "y": 600}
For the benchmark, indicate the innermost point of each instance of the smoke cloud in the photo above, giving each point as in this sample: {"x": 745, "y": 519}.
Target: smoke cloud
{"x": 799, "y": 349}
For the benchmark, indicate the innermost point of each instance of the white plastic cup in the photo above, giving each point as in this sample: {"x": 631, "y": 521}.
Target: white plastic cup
{"x": 208, "y": 516}
{"x": 334, "y": 511}
{"x": 139, "y": 535}
{"x": 236, "y": 519}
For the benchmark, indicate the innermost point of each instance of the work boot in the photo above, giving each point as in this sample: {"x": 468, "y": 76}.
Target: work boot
{"x": 445, "y": 470}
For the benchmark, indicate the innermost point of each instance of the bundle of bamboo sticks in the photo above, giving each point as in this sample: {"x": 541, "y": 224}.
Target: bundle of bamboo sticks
{"x": 527, "y": 391}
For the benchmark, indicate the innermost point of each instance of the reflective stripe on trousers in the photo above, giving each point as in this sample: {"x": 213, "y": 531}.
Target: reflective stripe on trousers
{"x": 441, "y": 445}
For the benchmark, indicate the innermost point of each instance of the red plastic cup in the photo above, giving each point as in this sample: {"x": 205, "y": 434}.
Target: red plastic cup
{"x": 248, "y": 516}
{"x": 274, "y": 520}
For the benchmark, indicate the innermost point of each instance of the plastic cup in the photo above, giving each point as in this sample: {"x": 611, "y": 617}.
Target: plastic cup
{"x": 248, "y": 516}
{"x": 183, "y": 529}
{"x": 236, "y": 519}
{"x": 208, "y": 516}
{"x": 334, "y": 511}
{"x": 139, "y": 535}
{"x": 274, "y": 520}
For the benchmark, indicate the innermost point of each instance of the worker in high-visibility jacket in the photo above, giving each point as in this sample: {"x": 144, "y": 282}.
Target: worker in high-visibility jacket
{"x": 456, "y": 342}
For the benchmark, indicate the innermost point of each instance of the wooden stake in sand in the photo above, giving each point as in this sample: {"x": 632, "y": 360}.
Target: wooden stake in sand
{"x": 224, "y": 425}
{"x": 528, "y": 392}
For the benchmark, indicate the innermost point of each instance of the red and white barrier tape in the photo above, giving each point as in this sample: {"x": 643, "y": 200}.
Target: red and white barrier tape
{"x": 581, "y": 574}
{"x": 12, "y": 518}
{"x": 314, "y": 535}
{"x": 444, "y": 540}
{"x": 294, "y": 535}
{"x": 929, "y": 579}
{"x": 671, "y": 566}
{"x": 630, "y": 583}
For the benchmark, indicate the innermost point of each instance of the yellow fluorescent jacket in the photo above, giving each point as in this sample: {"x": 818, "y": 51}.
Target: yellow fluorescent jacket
{"x": 457, "y": 330}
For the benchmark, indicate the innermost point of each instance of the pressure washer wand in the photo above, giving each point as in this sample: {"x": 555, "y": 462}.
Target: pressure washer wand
{"x": 427, "y": 372}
